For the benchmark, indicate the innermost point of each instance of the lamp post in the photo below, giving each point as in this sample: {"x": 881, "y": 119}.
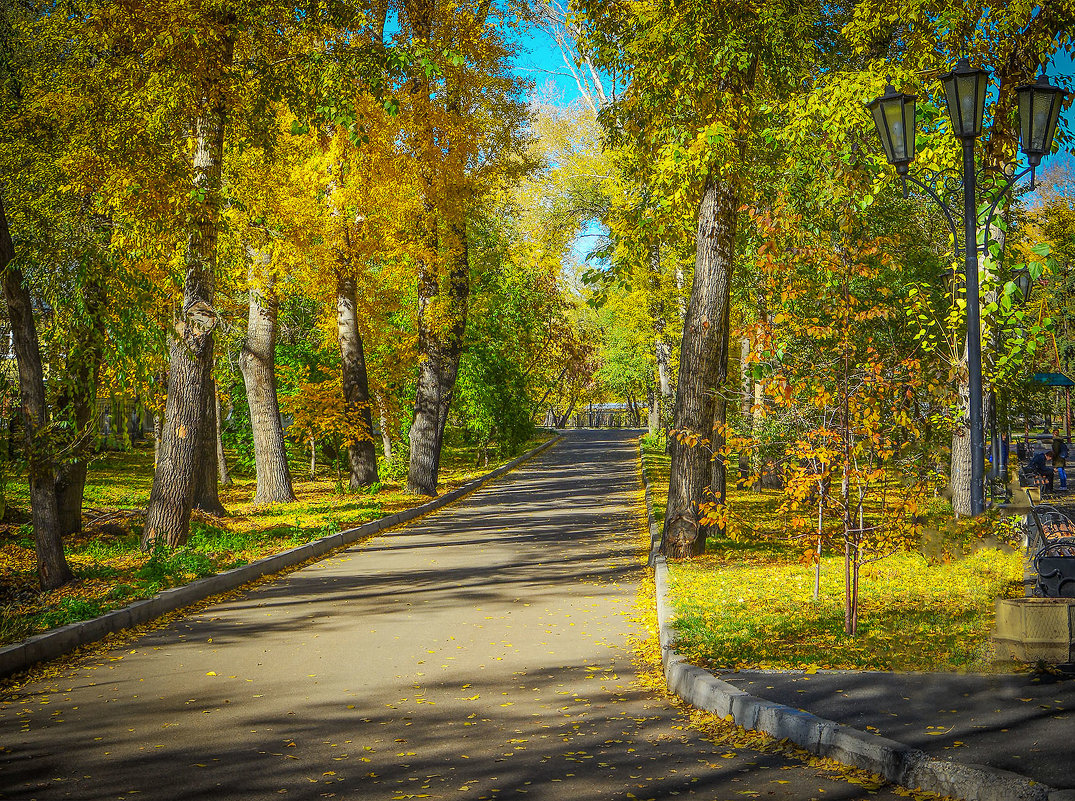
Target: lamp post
{"x": 964, "y": 93}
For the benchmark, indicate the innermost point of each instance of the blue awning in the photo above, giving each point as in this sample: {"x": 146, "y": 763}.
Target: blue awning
{"x": 1053, "y": 380}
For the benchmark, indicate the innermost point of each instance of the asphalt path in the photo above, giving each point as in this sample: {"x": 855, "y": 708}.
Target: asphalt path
{"x": 1023, "y": 723}
{"x": 482, "y": 652}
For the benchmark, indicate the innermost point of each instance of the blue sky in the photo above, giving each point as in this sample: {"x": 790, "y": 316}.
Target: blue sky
{"x": 539, "y": 60}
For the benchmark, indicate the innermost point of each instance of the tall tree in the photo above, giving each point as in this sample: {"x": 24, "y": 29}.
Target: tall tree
{"x": 464, "y": 128}
{"x": 52, "y": 568}
{"x": 257, "y": 362}
{"x": 356, "y": 385}
{"x": 696, "y": 77}
{"x": 187, "y": 430}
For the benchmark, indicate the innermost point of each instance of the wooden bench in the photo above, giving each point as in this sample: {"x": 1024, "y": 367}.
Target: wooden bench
{"x": 1050, "y": 536}
{"x": 1033, "y": 484}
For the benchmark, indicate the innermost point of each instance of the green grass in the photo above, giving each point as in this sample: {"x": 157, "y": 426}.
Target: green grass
{"x": 748, "y": 602}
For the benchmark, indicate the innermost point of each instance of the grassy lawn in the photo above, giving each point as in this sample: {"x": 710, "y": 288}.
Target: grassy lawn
{"x": 748, "y": 602}
{"x": 112, "y": 570}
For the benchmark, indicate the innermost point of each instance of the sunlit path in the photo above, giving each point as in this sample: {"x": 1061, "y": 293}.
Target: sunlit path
{"x": 480, "y": 653}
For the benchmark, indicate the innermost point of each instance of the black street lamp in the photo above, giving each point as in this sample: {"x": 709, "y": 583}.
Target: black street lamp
{"x": 964, "y": 93}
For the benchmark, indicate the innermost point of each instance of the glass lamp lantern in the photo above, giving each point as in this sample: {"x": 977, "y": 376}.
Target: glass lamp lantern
{"x": 894, "y": 116}
{"x": 964, "y": 93}
{"x": 1039, "y": 109}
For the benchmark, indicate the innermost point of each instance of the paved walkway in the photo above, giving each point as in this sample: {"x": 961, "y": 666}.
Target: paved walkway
{"x": 1023, "y": 723}
{"x": 480, "y": 653}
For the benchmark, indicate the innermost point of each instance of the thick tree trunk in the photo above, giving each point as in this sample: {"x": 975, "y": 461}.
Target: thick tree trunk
{"x": 702, "y": 364}
{"x": 257, "y": 363}
{"x": 356, "y": 388}
{"x": 440, "y": 344}
{"x": 52, "y": 568}
{"x": 191, "y": 358}
{"x": 207, "y": 475}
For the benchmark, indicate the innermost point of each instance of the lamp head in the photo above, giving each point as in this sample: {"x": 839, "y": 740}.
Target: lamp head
{"x": 964, "y": 94}
{"x": 894, "y": 116}
{"x": 1039, "y": 109}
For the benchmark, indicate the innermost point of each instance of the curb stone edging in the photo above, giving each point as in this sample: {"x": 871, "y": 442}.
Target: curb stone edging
{"x": 896, "y": 762}
{"x": 54, "y": 643}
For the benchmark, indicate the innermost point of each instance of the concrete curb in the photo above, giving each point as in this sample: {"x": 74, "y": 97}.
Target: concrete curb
{"x": 900, "y": 764}
{"x": 57, "y": 642}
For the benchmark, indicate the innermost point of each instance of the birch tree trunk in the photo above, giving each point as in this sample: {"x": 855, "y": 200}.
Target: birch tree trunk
{"x": 221, "y": 461}
{"x": 356, "y": 388}
{"x": 386, "y": 438}
{"x": 257, "y": 363}
{"x": 52, "y": 568}
{"x": 191, "y": 358}
{"x": 702, "y": 363}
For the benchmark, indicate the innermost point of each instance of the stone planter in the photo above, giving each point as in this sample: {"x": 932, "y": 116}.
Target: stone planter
{"x": 1032, "y": 629}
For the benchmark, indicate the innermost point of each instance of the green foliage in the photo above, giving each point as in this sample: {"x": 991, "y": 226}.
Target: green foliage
{"x": 71, "y": 610}
{"x": 167, "y": 567}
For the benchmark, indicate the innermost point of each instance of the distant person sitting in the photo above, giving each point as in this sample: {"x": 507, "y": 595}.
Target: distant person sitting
{"x": 1040, "y": 463}
{"x": 1060, "y": 455}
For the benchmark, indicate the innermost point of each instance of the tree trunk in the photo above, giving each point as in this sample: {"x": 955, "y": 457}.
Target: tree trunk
{"x": 959, "y": 478}
{"x": 386, "y": 438}
{"x": 257, "y": 363}
{"x": 191, "y": 358}
{"x": 206, "y": 474}
{"x": 78, "y": 402}
{"x": 356, "y": 388}
{"x": 702, "y": 363}
{"x": 221, "y": 461}
{"x": 663, "y": 351}
{"x": 746, "y": 401}
{"x": 52, "y": 568}
{"x": 718, "y": 468}
{"x": 440, "y": 344}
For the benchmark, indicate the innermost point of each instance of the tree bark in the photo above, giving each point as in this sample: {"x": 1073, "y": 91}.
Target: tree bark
{"x": 356, "y": 388}
{"x": 52, "y": 568}
{"x": 959, "y": 478}
{"x": 440, "y": 344}
{"x": 257, "y": 363}
{"x": 191, "y": 358}
{"x": 718, "y": 468}
{"x": 662, "y": 349}
{"x": 206, "y": 473}
{"x": 702, "y": 363}
{"x": 386, "y": 438}
{"x": 221, "y": 460}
